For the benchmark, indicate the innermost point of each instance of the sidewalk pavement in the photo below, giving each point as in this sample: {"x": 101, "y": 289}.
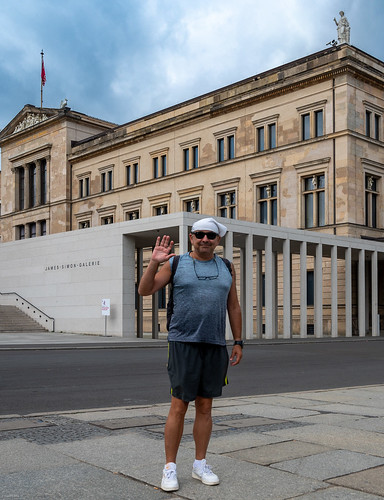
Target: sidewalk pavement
{"x": 323, "y": 444}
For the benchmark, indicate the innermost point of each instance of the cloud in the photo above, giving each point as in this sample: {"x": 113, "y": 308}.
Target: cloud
{"x": 122, "y": 59}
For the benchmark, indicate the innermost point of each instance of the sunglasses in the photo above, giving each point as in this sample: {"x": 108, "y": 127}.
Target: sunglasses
{"x": 200, "y": 235}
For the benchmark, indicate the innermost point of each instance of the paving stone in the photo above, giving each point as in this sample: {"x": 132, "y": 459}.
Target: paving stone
{"x": 21, "y": 423}
{"x": 236, "y": 441}
{"x": 370, "y": 481}
{"x": 249, "y": 422}
{"x": 338, "y": 493}
{"x": 334, "y": 437}
{"x": 270, "y": 411}
{"x": 338, "y": 419}
{"x": 347, "y": 409}
{"x": 78, "y": 482}
{"x": 18, "y": 455}
{"x": 127, "y": 423}
{"x": 188, "y": 428}
{"x": 277, "y": 452}
{"x": 329, "y": 464}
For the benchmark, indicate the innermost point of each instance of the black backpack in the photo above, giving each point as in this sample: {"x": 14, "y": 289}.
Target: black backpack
{"x": 175, "y": 263}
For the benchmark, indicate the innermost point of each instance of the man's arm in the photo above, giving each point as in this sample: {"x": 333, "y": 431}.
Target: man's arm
{"x": 234, "y": 314}
{"x": 152, "y": 281}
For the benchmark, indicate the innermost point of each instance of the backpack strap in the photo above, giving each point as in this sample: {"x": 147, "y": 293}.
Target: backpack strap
{"x": 227, "y": 263}
{"x": 175, "y": 263}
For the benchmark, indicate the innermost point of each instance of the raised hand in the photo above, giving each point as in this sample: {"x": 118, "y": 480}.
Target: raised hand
{"x": 162, "y": 251}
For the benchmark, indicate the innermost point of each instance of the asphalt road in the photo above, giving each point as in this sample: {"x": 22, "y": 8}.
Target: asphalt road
{"x": 60, "y": 380}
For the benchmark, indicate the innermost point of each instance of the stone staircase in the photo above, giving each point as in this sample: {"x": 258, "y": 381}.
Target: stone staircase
{"x": 14, "y": 320}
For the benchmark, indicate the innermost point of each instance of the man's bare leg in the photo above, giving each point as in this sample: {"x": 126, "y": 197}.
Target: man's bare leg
{"x": 174, "y": 428}
{"x": 202, "y": 428}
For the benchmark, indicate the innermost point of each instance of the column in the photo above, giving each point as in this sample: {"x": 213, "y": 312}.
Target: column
{"x": 26, "y": 186}
{"x": 128, "y": 287}
{"x": 303, "y": 289}
{"x": 183, "y": 239}
{"x": 38, "y": 182}
{"x": 348, "y": 292}
{"x": 374, "y": 299}
{"x": 287, "y": 290}
{"x": 228, "y": 254}
{"x": 319, "y": 291}
{"x": 155, "y": 315}
{"x": 334, "y": 329}
{"x": 247, "y": 279}
{"x": 361, "y": 293}
{"x": 269, "y": 288}
{"x": 139, "y": 312}
{"x": 259, "y": 291}
{"x": 275, "y": 315}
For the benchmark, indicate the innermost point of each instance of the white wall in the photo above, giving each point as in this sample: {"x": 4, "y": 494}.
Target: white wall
{"x": 67, "y": 275}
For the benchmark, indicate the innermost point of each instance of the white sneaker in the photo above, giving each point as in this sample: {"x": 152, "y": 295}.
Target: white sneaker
{"x": 169, "y": 481}
{"x": 205, "y": 474}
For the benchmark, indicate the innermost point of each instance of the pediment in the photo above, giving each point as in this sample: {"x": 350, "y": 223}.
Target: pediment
{"x": 28, "y": 117}
{"x": 30, "y": 120}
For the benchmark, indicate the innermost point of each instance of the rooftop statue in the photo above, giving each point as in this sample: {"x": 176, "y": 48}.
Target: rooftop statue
{"x": 343, "y": 28}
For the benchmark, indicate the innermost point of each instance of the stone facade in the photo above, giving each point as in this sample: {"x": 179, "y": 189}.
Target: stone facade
{"x": 299, "y": 146}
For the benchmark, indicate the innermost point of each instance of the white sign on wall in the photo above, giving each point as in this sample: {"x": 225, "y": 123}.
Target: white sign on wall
{"x": 106, "y": 307}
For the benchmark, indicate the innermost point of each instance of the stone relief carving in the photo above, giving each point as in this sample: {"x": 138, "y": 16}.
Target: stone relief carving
{"x": 30, "y": 120}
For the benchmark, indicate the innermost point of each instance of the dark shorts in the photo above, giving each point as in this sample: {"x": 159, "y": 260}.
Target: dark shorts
{"x": 197, "y": 369}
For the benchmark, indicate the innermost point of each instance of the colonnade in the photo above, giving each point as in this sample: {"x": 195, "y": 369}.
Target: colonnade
{"x": 269, "y": 250}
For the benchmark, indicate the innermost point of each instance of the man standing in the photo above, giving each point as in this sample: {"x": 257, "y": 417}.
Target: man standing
{"x": 204, "y": 289}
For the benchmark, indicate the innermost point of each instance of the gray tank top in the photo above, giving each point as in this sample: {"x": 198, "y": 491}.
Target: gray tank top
{"x": 200, "y": 293}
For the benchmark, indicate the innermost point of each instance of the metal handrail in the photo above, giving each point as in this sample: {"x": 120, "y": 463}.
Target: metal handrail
{"x": 32, "y": 306}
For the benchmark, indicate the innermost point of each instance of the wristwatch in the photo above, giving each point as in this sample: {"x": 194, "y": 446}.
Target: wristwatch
{"x": 239, "y": 342}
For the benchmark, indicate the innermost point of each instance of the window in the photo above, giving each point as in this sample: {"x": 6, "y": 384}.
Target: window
{"x": 312, "y": 120}
{"x": 159, "y": 166}
{"x": 267, "y": 201}
{"x": 191, "y": 157}
{"x": 314, "y": 200}
{"x": 271, "y": 135}
{"x": 227, "y": 205}
{"x": 84, "y": 224}
{"x": 32, "y": 230}
{"x": 260, "y": 139}
{"x": 373, "y": 123}
{"x": 20, "y": 232}
{"x": 43, "y": 227}
{"x": 310, "y": 288}
{"x": 306, "y": 126}
{"x": 231, "y": 146}
{"x": 192, "y": 206}
{"x": 132, "y": 171}
{"x": 377, "y": 127}
{"x": 107, "y": 220}
{"x": 266, "y": 133}
{"x": 225, "y": 142}
{"x": 161, "y": 210}
{"x": 371, "y": 198}
{"x": 319, "y": 123}
{"x": 220, "y": 149}
{"x": 106, "y": 180}
{"x": 84, "y": 187}
{"x": 132, "y": 215}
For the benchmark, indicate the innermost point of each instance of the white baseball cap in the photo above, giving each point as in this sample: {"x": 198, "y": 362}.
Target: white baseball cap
{"x": 209, "y": 224}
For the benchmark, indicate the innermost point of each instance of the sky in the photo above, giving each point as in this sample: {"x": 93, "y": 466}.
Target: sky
{"x": 119, "y": 60}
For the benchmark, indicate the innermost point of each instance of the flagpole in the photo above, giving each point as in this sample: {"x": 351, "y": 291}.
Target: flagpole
{"x": 41, "y": 79}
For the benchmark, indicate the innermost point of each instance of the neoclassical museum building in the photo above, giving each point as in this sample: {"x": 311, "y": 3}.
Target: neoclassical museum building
{"x": 297, "y": 149}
